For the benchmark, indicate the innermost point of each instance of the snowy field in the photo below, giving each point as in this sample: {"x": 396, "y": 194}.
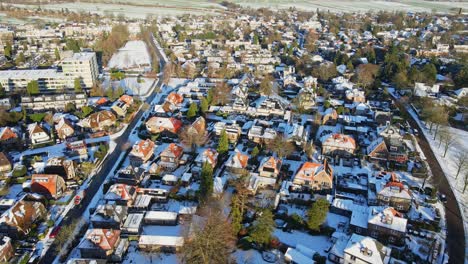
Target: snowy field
{"x": 134, "y": 55}
{"x": 355, "y": 6}
{"x": 208, "y": 7}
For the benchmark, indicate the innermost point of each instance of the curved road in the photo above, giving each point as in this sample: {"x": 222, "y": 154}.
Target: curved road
{"x": 455, "y": 242}
{"x": 107, "y": 165}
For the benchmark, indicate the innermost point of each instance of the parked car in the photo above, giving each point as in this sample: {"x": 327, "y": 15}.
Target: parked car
{"x": 55, "y": 231}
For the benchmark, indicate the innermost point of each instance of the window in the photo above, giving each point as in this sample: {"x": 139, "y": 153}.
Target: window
{"x": 353, "y": 257}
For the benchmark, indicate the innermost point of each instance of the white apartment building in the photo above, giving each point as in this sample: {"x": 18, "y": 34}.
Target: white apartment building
{"x": 81, "y": 65}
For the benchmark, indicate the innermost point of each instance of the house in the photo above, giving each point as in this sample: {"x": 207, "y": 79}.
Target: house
{"x": 133, "y": 224}
{"x": 387, "y": 224}
{"x": 300, "y": 254}
{"x": 121, "y": 194}
{"x": 422, "y": 90}
{"x": 338, "y": 145}
{"x": 393, "y": 138}
{"x": 130, "y": 175}
{"x": 315, "y": 176}
{"x": 377, "y": 150}
{"x": 161, "y": 218}
{"x": 64, "y": 129}
{"x": 157, "y": 125}
{"x": 208, "y": 155}
{"x": 99, "y": 243}
{"x": 6, "y": 249}
{"x": 61, "y": 166}
{"x": 198, "y": 126}
{"x": 8, "y": 136}
{"x": 170, "y": 157}
{"x": 121, "y": 106}
{"x": 237, "y": 163}
{"x": 329, "y": 117}
{"x": 395, "y": 194}
{"x": 49, "y": 185}
{"x": 154, "y": 243}
{"x": 362, "y": 249}
{"x": 19, "y": 219}
{"x": 233, "y": 131}
{"x": 269, "y": 167}
{"x": 37, "y": 134}
{"x": 173, "y": 102}
{"x": 99, "y": 121}
{"x": 5, "y": 164}
{"x": 141, "y": 152}
{"x": 261, "y": 135}
{"x": 109, "y": 216}
{"x": 355, "y": 96}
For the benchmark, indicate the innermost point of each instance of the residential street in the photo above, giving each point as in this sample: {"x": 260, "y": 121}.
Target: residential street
{"x": 107, "y": 165}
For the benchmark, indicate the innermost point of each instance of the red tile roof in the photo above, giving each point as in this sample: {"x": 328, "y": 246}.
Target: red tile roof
{"x": 47, "y": 184}
{"x": 7, "y": 133}
{"x": 105, "y": 239}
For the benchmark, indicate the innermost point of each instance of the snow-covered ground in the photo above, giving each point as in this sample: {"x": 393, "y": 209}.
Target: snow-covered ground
{"x": 248, "y": 257}
{"x": 134, "y": 55}
{"x": 131, "y": 85}
{"x": 135, "y": 256}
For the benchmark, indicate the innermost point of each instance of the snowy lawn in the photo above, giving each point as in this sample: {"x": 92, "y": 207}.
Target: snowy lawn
{"x": 133, "y": 55}
{"x": 248, "y": 257}
{"x": 136, "y": 256}
{"x": 317, "y": 243}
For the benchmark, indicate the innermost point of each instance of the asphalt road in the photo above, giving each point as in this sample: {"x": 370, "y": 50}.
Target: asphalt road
{"x": 107, "y": 165}
{"x": 455, "y": 230}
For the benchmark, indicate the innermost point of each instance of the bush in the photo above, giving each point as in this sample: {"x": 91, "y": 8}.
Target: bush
{"x": 19, "y": 171}
{"x": 50, "y": 223}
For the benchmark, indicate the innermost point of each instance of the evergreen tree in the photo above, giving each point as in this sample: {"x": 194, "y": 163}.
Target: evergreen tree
{"x": 430, "y": 73}
{"x": 7, "y": 50}
{"x": 77, "y": 85}
{"x": 57, "y": 54}
{"x": 20, "y": 59}
{"x": 236, "y": 215}
{"x": 223, "y": 143}
{"x": 254, "y": 152}
{"x": 2, "y": 91}
{"x": 262, "y": 229}
{"x": 209, "y": 96}
{"x": 32, "y": 88}
{"x": 192, "y": 111}
{"x": 255, "y": 40}
{"x": 206, "y": 181}
{"x": 317, "y": 214}
{"x": 204, "y": 105}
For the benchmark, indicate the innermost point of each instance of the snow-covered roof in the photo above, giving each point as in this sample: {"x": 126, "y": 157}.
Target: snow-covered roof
{"x": 367, "y": 249}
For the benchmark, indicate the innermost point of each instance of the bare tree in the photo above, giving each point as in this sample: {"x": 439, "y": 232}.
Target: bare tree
{"x": 461, "y": 161}
{"x": 221, "y": 94}
{"x": 266, "y": 85}
{"x": 466, "y": 182}
{"x": 167, "y": 72}
{"x": 281, "y": 146}
{"x": 366, "y": 74}
{"x": 190, "y": 137}
{"x": 210, "y": 240}
{"x": 447, "y": 139}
